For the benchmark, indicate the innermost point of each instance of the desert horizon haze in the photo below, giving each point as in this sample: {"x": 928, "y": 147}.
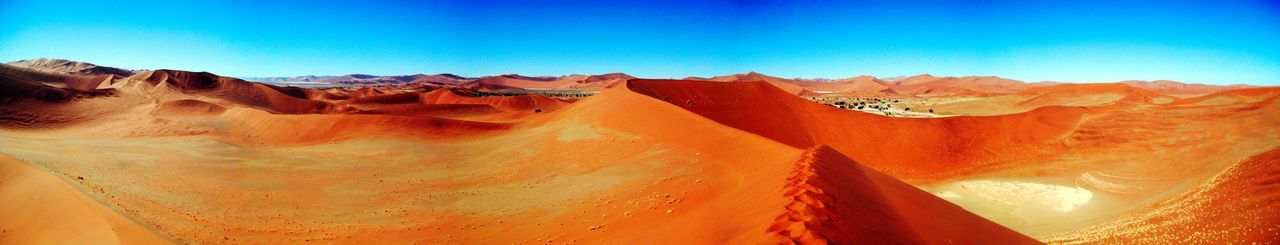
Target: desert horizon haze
{"x": 664, "y": 122}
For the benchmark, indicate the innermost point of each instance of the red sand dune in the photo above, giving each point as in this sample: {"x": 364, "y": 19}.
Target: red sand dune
{"x": 258, "y": 127}
{"x": 781, "y": 83}
{"x": 39, "y": 208}
{"x": 957, "y": 144}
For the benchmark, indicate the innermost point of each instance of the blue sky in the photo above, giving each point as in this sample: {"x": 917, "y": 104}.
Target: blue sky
{"x": 1193, "y": 41}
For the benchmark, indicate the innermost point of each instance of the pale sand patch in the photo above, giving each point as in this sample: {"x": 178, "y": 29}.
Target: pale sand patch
{"x": 1020, "y": 205}
{"x": 576, "y": 132}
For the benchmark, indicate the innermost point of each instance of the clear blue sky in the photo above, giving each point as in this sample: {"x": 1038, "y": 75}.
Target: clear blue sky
{"x": 1200, "y": 41}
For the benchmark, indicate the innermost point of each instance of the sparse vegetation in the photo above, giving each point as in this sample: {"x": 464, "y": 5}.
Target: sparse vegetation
{"x": 879, "y": 105}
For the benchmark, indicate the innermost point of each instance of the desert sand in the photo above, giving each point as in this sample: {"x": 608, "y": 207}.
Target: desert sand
{"x": 169, "y": 156}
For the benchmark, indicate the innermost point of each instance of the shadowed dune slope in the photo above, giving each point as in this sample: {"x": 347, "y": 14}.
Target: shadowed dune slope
{"x": 266, "y": 97}
{"x": 937, "y": 147}
{"x": 62, "y": 66}
{"x": 15, "y": 88}
{"x": 83, "y": 82}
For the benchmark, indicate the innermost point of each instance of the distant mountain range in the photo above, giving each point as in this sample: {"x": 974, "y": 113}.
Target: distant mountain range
{"x": 919, "y": 85}
{"x": 70, "y": 67}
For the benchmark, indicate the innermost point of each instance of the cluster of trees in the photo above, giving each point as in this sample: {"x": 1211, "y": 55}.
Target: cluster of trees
{"x": 857, "y": 105}
{"x": 547, "y": 93}
{"x": 861, "y": 104}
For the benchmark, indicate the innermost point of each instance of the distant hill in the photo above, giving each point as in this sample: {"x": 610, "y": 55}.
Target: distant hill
{"x": 70, "y": 67}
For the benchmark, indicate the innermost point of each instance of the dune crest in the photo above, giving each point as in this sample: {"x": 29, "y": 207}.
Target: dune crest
{"x": 835, "y": 200}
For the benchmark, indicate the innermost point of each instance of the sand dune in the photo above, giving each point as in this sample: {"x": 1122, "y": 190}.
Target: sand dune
{"x": 191, "y": 157}
{"x": 61, "y": 66}
{"x": 1181, "y": 89}
{"x": 1237, "y": 204}
{"x": 521, "y": 103}
{"x": 84, "y": 83}
{"x": 579, "y": 82}
{"x": 1091, "y": 95}
{"x": 40, "y": 208}
{"x": 181, "y": 84}
{"x": 966, "y": 141}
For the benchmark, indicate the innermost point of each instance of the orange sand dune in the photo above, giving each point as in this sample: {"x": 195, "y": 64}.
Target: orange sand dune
{"x": 837, "y": 200}
{"x": 520, "y": 103}
{"x": 1235, "y": 96}
{"x": 1238, "y": 204}
{"x": 1066, "y": 94}
{"x": 939, "y": 147}
{"x": 957, "y": 86}
{"x": 826, "y": 189}
{"x": 250, "y": 126}
{"x": 573, "y": 82}
{"x": 857, "y": 86}
{"x": 1091, "y": 94}
{"x": 782, "y": 83}
{"x": 40, "y": 208}
{"x": 182, "y": 84}
{"x": 187, "y": 107}
{"x": 921, "y": 85}
{"x": 435, "y": 110}
{"x": 1181, "y": 89}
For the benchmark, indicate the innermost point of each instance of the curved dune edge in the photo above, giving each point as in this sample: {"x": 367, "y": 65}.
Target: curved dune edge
{"x": 826, "y": 196}
{"x": 836, "y": 200}
{"x": 963, "y": 144}
{"x": 38, "y": 208}
{"x": 1237, "y": 205}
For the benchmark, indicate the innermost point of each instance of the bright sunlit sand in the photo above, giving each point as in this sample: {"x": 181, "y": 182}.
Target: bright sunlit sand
{"x": 1019, "y": 205}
